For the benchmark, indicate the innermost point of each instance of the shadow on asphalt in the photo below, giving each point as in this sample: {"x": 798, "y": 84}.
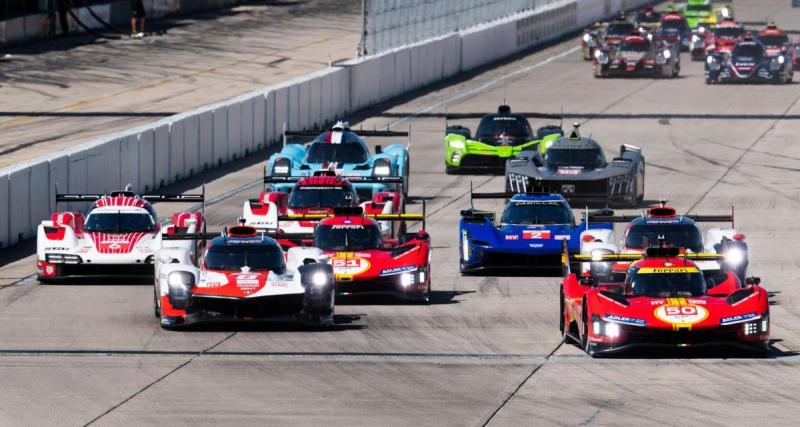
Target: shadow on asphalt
{"x": 437, "y": 298}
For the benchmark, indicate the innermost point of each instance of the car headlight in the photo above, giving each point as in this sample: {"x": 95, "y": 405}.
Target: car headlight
{"x": 710, "y": 60}
{"x": 597, "y": 254}
{"x": 407, "y": 279}
{"x": 612, "y": 329}
{"x": 586, "y": 38}
{"x": 667, "y": 54}
{"x": 281, "y": 166}
{"x": 781, "y": 59}
{"x": 381, "y": 167}
{"x": 319, "y": 279}
{"x": 465, "y": 246}
{"x": 734, "y": 256}
{"x": 695, "y": 38}
{"x": 548, "y": 144}
{"x": 180, "y": 285}
{"x": 457, "y": 144}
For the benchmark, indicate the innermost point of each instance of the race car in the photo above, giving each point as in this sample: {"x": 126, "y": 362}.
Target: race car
{"x": 575, "y": 167}
{"x": 320, "y": 194}
{"x": 347, "y": 153}
{"x": 605, "y": 34}
{"x": 699, "y": 13}
{"x": 119, "y": 235}
{"x": 664, "y": 301}
{"x": 499, "y": 137}
{"x": 724, "y": 37}
{"x": 241, "y": 275}
{"x": 662, "y": 223}
{"x": 528, "y": 238}
{"x": 364, "y": 262}
{"x": 776, "y": 42}
{"x": 749, "y": 63}
{"x": 648, "y": 19}
{"x": 674, "y": 30}
{"x": 637, "y": 56}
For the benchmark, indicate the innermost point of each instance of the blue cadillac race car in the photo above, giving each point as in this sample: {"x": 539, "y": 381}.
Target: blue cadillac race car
{"x": 529, "y": 237}
{"x": 341, "y": 150}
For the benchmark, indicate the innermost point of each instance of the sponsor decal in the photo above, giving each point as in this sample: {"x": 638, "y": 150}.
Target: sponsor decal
{"x": 625, "y": 320}
{"x": 739, "y": 318}
{"x": 681, "y": 315}
{"x": 248, "y": 283}
{"x": 562, "y": 237}
{"x": 568, "y": 188}
{"x": 667, "y": 270}
{"x": 568, "y": 171}
{"x": 397, "y": 270}
{"x": 536, "y": 202}
{"x": 56, "y": 249}
{"x": 512, "y": 237}
{"x": 696, "y": 301}
{"x": 535, "y": 234}
{"x": 83, "y": 250}
{"x": 535, "y": 245}
{"x": 657, "y": 302}
{"x": 347, "y": 227}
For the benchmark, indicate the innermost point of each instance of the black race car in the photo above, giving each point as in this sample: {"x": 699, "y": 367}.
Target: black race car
{"x": 749, "y": 63}
{"x": 637, "y": 56}
{"x": 576, "y": 168}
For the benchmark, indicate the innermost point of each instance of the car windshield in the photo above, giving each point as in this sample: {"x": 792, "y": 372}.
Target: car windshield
{"x": 232, "y": 257}
{"x": 637, "y": 46}
{"x": 673, "y": 24}
{"x": 641, "y": 236}
{"x": 118, "y": 222}
{"x": 348, "y": 237}
{"x": 515, "y": 129}
{"x": 669, "y": 282}
{"x": 322, "y": 196}
{"x": 620, "y": 29}
{"x": 698, "y": 8}
{"x": 728, "y": 32}
{"x": 351, "y": 152}
{"x": 747, "y": 52}
{"x": 536, "y": 212}
{"x": 774, "y": 40}
{"x": 588, "y": 158}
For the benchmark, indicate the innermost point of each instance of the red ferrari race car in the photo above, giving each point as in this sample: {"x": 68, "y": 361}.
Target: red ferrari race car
{"x": 366, "y": 263}
{"x": 241, "y": 275}
{"x": 776, "y": 41}
{"x": 320, "y": 194}
{"x": 117, "y": 237}
{"x": 666, "y": 301}
{"x": 721, "y": 39}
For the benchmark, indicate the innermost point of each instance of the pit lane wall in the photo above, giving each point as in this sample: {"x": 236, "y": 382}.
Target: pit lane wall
{"x": 177, "y": 147}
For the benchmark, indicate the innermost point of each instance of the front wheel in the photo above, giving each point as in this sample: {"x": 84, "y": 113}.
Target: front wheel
{"x": 450, "y": 170}
{"x": 156, "y": 308}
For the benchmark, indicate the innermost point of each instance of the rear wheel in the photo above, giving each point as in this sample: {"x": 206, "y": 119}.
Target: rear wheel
{"x": 156, "y": 308}
{"x": 562, "y": 323}
{"x": 450, "y": 170}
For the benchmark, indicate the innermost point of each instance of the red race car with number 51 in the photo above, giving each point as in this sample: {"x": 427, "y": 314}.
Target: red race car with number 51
{"x": 665, "y": 301}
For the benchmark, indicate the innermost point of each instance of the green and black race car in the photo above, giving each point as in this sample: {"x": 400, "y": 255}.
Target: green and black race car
{"x": 499, "y": 137}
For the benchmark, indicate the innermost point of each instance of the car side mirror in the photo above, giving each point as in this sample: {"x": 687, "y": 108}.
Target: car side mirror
{"x": 378, "y": 149}
{"x": 588, "y": 281}
{"x": 752, "y": 281}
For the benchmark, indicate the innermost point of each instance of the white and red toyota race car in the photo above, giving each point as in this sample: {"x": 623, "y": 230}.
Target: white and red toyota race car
{"x": 241, "y": 275}
{"x": 119, "y": 235}
{"x": 320, "y": 194}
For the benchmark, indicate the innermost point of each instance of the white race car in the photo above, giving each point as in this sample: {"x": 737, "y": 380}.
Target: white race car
{"x": 118, "y": 236}
{"x": 242, "y": 275}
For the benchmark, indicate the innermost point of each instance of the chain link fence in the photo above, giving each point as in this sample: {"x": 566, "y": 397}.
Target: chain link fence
{"x": 392, "y": 23}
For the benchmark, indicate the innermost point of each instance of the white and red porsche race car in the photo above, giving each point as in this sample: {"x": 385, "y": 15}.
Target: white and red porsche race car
{"x": 118, "y": 236}
{"x": 320, "y": 194}
{"x": 241, "y": 275}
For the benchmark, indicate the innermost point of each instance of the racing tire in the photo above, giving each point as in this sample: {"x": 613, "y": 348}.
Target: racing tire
{"x": 676, "y": 69}
{"x": 450, "y": 170}
{"x": 585, "y": 344}
{"x": 563, "y": 315}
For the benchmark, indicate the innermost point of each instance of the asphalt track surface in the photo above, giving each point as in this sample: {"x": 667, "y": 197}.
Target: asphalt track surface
{"x": 488, "y": 350}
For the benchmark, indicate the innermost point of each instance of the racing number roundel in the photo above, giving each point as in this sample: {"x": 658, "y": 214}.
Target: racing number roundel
{"x": 350, "y": 266}
{"x": 681, "y": 314}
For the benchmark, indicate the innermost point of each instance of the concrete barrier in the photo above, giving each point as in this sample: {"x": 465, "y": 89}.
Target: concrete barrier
{"x": 177, "y": 150}
{"x": 19, "y": 197}
{"x": 180, "y": 146}
{"x": 5, "y": 209}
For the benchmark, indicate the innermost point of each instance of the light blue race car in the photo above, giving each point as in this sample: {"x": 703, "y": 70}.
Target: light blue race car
{"x": 343, "y": 151}
{"x": 529, "y": 238}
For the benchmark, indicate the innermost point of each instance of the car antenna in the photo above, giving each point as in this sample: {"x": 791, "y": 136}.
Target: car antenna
{"x": 284, "y": 135}
{"x": 445, "y": 118}
{"x": 587, "y": 218}
{"x": 471, "y": 204}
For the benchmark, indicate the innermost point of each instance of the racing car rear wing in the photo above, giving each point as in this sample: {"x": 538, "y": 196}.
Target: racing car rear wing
{"x": 696, "y": 218}
{"x": 190, "y": 236}
{"x": 63, "y": 198}
{"x": 354, "y": 179}
{"x": 361, "y": 132}
{"x": 357, "y": 211}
